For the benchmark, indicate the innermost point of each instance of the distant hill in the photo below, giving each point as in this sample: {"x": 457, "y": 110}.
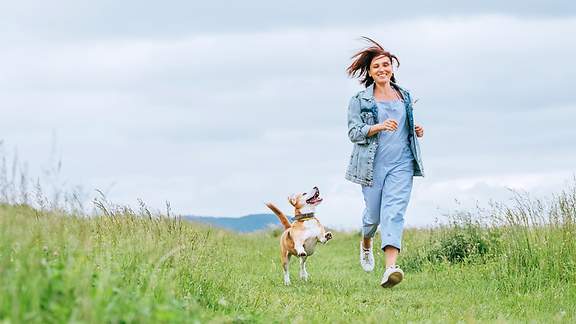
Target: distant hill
{"x": 248, "y": 223}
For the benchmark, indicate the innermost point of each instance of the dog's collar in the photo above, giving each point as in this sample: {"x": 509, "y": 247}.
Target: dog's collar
{"x": 303, "y": 217}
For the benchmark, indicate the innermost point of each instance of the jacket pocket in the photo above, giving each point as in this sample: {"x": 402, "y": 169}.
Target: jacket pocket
{"x": 368, "y": 117}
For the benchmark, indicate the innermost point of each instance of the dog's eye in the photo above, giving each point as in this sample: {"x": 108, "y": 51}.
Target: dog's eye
{"x": 304, "y": 194}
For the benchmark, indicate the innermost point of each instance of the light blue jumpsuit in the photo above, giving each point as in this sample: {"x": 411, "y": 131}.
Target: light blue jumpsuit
{"x": 386, "y": 200}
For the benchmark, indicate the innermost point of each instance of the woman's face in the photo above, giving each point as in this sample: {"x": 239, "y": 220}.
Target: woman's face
{"x": 381, "y": 69}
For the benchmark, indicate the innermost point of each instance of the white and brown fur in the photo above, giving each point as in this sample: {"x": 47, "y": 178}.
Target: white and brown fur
{"x": 300, "y": 237}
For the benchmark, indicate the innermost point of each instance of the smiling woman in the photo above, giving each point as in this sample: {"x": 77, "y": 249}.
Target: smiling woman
{"x": 385, "y": 155}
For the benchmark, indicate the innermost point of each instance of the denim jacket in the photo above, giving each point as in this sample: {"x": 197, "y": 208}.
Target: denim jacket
{"x": 363, "y": 113}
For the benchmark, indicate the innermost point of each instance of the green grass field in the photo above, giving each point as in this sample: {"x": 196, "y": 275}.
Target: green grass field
{"x": 135, "y": 267}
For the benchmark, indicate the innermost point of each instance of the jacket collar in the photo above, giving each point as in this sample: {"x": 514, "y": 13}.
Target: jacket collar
{"x": 368, "y": 93}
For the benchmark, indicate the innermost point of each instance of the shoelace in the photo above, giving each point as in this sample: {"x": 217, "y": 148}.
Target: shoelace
{"x": 366, "y": 255}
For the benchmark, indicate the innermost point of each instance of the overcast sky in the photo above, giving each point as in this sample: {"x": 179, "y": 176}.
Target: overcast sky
{"x": 220, "y": 107}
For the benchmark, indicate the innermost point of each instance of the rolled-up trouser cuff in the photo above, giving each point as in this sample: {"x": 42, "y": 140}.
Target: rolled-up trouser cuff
{"x": 395, "y": 244}
{"x": 368, "y": 226}
{"x": 369, "y": 232}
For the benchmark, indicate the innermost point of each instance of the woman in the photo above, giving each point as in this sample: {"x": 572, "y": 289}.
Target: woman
{"x": 386, "y": 154}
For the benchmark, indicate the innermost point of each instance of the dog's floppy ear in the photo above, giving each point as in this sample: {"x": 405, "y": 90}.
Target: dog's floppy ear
{"x": 292, "y": 200}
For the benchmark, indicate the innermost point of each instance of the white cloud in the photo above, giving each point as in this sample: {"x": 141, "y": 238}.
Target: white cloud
{"x": 219, "y": 123}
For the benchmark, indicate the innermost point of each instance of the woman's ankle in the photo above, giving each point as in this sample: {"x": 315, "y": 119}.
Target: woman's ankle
{"x": 364, "y": 241}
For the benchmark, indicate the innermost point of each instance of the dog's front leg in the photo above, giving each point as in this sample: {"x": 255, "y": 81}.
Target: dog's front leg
{"x": 324, "y": 236}
{"x": 303, "y": 272}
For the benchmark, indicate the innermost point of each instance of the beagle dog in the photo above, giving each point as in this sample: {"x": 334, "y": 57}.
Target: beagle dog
{"x": 300, "y": 237}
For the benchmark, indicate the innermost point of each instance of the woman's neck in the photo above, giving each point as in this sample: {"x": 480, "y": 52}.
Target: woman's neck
{"x": 384, "y": 91}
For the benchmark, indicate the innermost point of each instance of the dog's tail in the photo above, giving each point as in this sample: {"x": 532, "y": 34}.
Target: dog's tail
{"x": 280, "y": 214}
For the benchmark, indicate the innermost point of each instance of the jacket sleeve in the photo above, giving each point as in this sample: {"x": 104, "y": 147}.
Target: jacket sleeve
{"x": 357, "y": 129}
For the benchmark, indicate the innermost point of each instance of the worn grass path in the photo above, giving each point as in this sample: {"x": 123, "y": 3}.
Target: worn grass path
{"x": 57, "y": 269}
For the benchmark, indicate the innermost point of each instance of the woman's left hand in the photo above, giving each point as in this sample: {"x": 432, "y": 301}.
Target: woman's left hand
{"x": 419, "y": 131}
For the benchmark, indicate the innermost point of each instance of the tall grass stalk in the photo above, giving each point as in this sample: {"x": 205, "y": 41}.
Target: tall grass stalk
{"x": 538, "y": 245}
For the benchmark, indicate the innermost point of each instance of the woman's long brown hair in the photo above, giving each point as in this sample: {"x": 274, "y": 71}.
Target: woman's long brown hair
{"x": 362, "y": 60}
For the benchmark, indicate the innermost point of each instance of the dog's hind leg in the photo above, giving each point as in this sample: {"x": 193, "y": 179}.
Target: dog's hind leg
{"x": 285, "y": 265}
{"x": 303, "y": 272}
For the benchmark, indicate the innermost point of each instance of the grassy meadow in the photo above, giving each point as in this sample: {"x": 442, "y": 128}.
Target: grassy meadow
{"x": 512, "y": 263}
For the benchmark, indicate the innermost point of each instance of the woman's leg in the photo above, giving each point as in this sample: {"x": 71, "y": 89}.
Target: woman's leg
{"x": 395, "y": 198}
{"x": 370, "y": 221}
{"x": 371, "y": 214}
{"x": 366, "y": 243}
{"x": 391, "y": 254}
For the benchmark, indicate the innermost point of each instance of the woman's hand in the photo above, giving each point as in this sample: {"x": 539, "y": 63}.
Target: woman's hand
{"x": 419, "y": 131}
{"x": 389, "y": 125}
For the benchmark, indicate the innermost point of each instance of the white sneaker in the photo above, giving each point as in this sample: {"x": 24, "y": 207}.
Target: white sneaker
{"x": 392, "y": 276}
{"x": 366, "y": 258}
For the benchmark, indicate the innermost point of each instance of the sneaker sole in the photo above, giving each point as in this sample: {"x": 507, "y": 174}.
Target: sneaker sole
{"x": 394, "y": 279}
{"x": 368, "y": 270}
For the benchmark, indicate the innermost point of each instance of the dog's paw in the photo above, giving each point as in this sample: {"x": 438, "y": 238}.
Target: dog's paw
{"x": 328, "y": 236}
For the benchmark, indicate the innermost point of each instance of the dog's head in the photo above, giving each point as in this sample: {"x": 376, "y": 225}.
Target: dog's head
{"x": 306, "y": 202}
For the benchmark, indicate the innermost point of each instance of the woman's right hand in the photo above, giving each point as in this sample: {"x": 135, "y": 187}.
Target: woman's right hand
{"x": 389, "y": 125}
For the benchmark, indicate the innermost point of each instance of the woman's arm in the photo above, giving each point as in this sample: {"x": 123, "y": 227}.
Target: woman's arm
{"x": 374, "y": 129}
{"x": 357, "y": 129}
{"x": 388, "y": 125}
